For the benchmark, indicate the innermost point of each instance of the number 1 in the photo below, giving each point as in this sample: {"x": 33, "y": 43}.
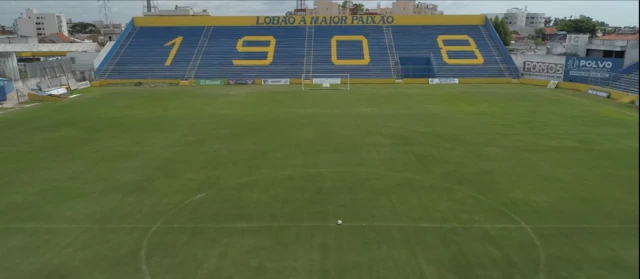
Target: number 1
{"x": 176, "y": 45}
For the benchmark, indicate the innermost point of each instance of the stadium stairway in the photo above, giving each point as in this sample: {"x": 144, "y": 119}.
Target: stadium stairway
{"x": 362, "y": 51}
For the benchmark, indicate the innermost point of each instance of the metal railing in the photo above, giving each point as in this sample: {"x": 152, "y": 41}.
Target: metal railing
{"x": 626, "y": 83}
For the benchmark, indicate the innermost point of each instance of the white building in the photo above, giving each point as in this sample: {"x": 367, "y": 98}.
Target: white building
{"x": 516, "y": 16}
{"x": 535, "y": 20}
{"x": 34, "y": 24}
{"x": 521, "y": 20}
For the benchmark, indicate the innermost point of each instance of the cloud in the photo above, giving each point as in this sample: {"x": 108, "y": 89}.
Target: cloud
{"x": 612, "y": 12}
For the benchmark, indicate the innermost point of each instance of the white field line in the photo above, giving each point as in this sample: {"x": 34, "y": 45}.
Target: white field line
{"x": 488, "y": 226}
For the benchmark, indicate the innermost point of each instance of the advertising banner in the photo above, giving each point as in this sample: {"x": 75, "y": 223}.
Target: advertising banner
{"x": 543, "y": 70}
{"x": 326, "y": 81}
{"x": 582, "y": 69}
{"x": 598, "y": 93}
{"x": 241, "y": 81}
{"x": 83, "y": 84}
{"x": 201, "y": 82}
{"x": 275, "y": 81}
{"x": 443, "y": 81}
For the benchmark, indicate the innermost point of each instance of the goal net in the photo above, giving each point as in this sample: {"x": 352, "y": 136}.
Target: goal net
{"x": 326, "y": 82}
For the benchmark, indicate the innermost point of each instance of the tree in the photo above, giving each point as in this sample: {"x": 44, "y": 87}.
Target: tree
{"x": 578, "y": 25}
{"x": 346, "y": 4}
{"x": 83, "y": 28}
{"x": 540, "y": 33}
{"x": 539, "y": 42}
{"x": 547, "y": 21}
{"x": 358, "y": 6}
{"x": 503, "y": 30}
{"x": 557, "y": 21}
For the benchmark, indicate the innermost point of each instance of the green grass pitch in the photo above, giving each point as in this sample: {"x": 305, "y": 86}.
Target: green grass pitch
{"x": 435, "y": 182}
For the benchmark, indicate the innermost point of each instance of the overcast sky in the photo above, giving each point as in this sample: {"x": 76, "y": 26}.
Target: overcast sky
{"x": 619, "y": 13}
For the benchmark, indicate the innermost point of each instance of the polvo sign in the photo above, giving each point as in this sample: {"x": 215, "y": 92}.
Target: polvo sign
{"x": 584, "y": 69}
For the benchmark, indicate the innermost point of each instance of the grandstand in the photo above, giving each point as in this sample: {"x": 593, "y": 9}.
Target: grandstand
{"x": 625, "y": 81}
{"x": 365, "y": 47}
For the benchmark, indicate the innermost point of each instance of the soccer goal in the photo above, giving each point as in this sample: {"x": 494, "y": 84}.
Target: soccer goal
{"x": 326, "y": 82}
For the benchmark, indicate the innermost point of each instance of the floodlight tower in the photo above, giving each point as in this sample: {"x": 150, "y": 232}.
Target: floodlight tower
{"x": 104, "y": 11}
{"x": 149, "y": 6}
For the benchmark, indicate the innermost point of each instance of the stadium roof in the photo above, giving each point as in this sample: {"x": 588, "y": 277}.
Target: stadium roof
{"x": 27, "y": 50}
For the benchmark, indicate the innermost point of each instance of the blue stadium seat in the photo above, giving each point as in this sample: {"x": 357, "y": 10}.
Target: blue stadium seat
{"x": 288, "y": 58}
{"x": 627, "y": 83}
{"x": 422, "y": 40}
{"x": 378, "y": 65}
{"x": 210, "y": 52}
{"x": 142, "y": 54}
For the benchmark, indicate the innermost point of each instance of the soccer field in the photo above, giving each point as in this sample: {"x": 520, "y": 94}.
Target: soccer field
{"x": 435, "y": 182}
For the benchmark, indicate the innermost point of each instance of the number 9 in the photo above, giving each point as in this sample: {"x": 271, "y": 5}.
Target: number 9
{"x": 270, "y": 49}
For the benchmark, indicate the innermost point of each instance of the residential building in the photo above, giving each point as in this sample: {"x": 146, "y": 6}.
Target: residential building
{"x": 399, "y": 7}
{"x": 7, "y": 28}
{"x": 55, "y": 38}
{"x": 34, "y": 24}
{"x": 622, "y": 45}
{"x": 534, "y": 20}
{"x": 10, "y": 37}
{"x": 521, "y": 20}
{"x": 177, "y": 11}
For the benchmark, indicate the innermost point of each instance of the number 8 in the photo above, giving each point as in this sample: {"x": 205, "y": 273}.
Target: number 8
{"x": 471, "y": 47}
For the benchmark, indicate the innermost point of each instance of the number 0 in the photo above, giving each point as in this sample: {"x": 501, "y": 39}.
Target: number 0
{"x": 365, "y": 50}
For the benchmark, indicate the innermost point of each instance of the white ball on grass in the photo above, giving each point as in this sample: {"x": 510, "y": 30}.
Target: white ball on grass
{"x": 339, "y": 222}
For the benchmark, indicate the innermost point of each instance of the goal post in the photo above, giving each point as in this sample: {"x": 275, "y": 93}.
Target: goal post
{"x": 326, "y": 82}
